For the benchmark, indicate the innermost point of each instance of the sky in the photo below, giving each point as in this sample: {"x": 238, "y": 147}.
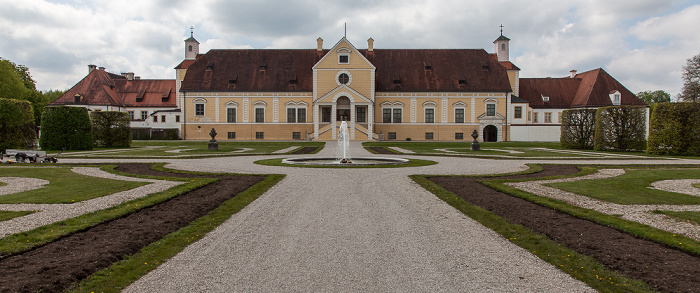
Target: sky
{"x": 644, "y": 44}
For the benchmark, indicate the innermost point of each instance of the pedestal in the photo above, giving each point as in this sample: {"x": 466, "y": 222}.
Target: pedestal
{"x": 213, "y": 146}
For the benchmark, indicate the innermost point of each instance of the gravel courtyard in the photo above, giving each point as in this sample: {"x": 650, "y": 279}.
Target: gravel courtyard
{"x": 355, "y": 230}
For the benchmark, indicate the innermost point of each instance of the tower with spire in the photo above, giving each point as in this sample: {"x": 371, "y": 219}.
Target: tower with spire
{"x": 191, "y": 46}
{"x": 501, "y": 46}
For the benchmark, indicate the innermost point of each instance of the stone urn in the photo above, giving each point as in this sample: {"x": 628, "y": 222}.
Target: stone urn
{"x": 475, "y": 143}
{"x": 213, "y": 145}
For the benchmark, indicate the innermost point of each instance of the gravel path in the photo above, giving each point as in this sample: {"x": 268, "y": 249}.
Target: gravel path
{"x": 51, "y": 213}
{"x": 322, "y": 230}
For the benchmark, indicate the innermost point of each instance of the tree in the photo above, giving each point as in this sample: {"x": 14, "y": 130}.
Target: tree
{"x": 16, "y": 124}
{"x": 691, "y": 80}
{"x": 654, "y": 97}
{"x": 16, "y": 83}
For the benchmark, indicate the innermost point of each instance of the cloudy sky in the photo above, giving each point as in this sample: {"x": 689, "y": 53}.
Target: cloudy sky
{"x": 642, "y": 43}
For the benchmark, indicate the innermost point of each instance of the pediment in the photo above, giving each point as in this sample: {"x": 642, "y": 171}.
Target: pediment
{"x": 485, "y": 117}
{"x": 355, "y": 59}
{"x": 343, "y": 90}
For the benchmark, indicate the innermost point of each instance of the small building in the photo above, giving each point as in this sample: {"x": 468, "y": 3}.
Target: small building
{"x": 151, "y": 103}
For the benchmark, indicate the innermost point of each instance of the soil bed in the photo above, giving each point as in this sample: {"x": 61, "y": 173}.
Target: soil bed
{"x": 381, "y": 150}
{"x": 57, "y": 265}
{"x": 663, "y": 268}
{"x": 305, "y": 150}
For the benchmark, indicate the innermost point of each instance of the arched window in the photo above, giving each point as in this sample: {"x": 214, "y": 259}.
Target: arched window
{"x": 190, "y": 48}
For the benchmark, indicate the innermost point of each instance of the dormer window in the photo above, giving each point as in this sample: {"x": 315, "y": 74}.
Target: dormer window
{"x": 343, "y": 56}
{"x": 263, "y": 67}
{"x": 210, "y": 66}
{"x": 462, "y": 82}
{"x": 485, "y": 66}
{"x": 397, "y": 80}
{"x": 615, "y": 98}
{"x": 545, "y": 99}
{"x": 428, "y": 66}
{"x": 233, "y": 79}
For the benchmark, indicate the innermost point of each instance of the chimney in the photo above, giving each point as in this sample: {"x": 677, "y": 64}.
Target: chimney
{"x": 129, "y": 76}
{"x": 102, "y": 68}
{"x": 370, "y": 45}
{"x": 91, "y": 67}
{"x": 573, "y": 73}
{"x": 137, "y": 77}
{"x": 319, "y": 45}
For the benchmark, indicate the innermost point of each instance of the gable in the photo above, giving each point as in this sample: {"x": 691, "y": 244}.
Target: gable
{"x": 355, "y": 59}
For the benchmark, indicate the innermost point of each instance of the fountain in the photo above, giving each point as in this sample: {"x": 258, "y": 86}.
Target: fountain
{"x": 342, "y": 157}
{"x": 343, "y": 150}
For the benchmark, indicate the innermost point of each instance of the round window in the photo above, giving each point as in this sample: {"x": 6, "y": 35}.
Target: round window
{"x": 343, "y": 78}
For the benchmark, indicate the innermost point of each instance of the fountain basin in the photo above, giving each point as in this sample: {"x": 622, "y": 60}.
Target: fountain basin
{"x": 369, "y": 161}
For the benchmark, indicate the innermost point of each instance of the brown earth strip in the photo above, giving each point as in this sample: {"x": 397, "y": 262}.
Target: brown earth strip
{"x": 304, "y": 150}
{"x": 663, "y": 268}
{"x": 57, "y": 265}
{"x": 381, "y": 150}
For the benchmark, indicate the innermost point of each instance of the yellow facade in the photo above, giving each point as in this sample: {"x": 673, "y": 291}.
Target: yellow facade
{"x": 344, "y": 72}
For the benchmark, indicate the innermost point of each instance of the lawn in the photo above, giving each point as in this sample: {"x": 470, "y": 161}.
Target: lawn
{"x": 181, "y": 148}
{"x": 495, "y": 149}
{"x": 691, "y": 217}
{"x": 63, "y": 186}
{"x": 7, "y": 215}
{"x": 633, "y": 187}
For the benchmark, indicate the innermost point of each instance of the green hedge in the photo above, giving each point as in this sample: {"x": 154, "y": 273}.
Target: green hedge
{"x": 154, "y": 133}
{"x": 16, "y": 125}
{"x": 66, "y": 127}
{"x": 620, "y": 128}
{"x": 111, "y": 128}
{"x": 675, "y": 129}
{"x": 577, "y": 128}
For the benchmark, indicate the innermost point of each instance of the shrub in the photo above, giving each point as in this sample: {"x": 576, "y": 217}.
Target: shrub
{"x": 66, "y": 127}
{"x": 155, "y": 133}
{"x": 16, "y": 125}
{"x": 111, "y": 128}
{"x": 620, "y": 128}
{"x": 675, "y": 129}
{"x": 577, "y": 128}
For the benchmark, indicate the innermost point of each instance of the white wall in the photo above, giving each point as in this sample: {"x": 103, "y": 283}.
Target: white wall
{"x": 535, "y": 133}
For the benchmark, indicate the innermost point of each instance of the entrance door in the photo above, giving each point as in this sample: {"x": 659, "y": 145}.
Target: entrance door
{"x": 342, "y": 109}
{"x": 490, "y": 133}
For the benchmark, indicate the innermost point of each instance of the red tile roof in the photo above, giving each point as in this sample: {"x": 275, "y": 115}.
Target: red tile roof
{"x": 586, "y": 89}
{"x": 397, "y": 70}
{"x": 103, "y": 88}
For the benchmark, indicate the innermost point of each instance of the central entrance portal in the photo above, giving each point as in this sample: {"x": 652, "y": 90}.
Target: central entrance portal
{"x": 342, "y": 109}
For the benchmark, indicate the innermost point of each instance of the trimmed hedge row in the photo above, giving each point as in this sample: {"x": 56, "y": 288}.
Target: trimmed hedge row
{"x": 16, "y": 125}
{"x": 675, "y": 129}
{"x": 111, "y": 128}
{"x": 620, "y": 128}
{"x": 154, "y": 133}
{"x": 577, "y": 128}
{"x": 66, "y": 127}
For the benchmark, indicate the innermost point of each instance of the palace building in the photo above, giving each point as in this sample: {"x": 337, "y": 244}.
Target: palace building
{"x": 383, "y": 94}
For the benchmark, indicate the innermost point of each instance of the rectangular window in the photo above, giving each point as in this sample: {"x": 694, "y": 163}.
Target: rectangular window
{"x": 301, "y": 115}
{"x": 397, "y": 116}
{"x": 199, "y": 109}
{"x": 428, "y": 135}
{"x": 131, "y": 115}
{"x": 392, "y": 135}
{"x": 325, "y": 114}
{"x": 296, "y": 135}
{"x": 459, "y": 115}
{"x": 361, "y": 114}
{"x": 344, "y": 59}
{"x": 291, "y": 115}
{"x": 518, "y": 112}
{"x": 162, "y": 118}
{"x": 231, "y": 115}
{"x": 155, "y": 118}
{"x": 386, "y": 115}
{"x": 491, "y": 110}
{"x": 231, "y": 135}
{"x": 548, "y": 117}
{"x": 144, "y": 115}
{"x": 528, "y": 115}
{"x": 260, "y": 115}
{"x": 259, "y": 135}
{"x": 559, "y": 118}
{"x": 429, "y": 115}
{"x": 177, "y": 118}
{"x": 534, "y": 117}
{"x": 459, "y": 135}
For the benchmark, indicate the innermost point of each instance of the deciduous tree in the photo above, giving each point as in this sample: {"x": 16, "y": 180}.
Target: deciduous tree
{"x": 691, "y": 80}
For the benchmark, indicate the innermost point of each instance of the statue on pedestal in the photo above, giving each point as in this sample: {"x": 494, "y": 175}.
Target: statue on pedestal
{"x": 475, "y": 143}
